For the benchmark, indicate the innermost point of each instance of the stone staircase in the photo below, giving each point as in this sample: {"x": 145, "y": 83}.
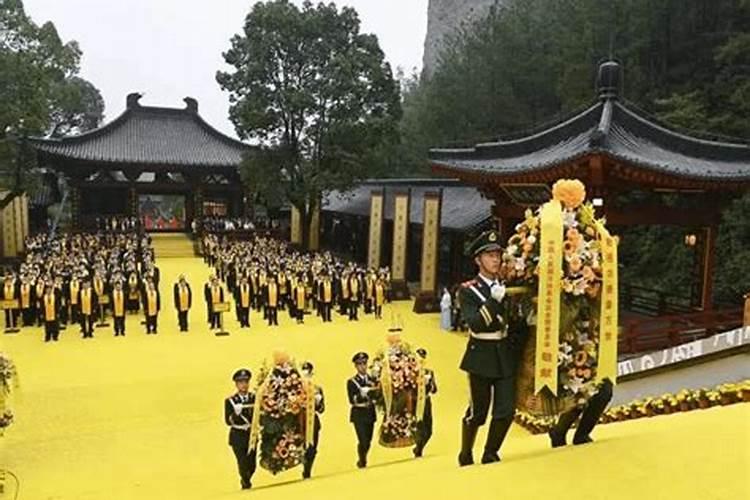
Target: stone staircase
{"x": 168, "y": 245}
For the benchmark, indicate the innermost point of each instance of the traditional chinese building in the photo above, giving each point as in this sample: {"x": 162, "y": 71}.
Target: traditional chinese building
{"x": 157, "y": 162}
{"x": 630, "y": 164}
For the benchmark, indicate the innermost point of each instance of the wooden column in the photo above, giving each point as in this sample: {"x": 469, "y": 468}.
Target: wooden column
{"x": 295, "y": 236}
{"x": 314, "y": 243}
{"x": 427, "y": 299}
{"x": 375, "y": 237}
{"x": 402, "y": 202}
{"x": 75, "y": 205}
{"x": 709, "y": 264}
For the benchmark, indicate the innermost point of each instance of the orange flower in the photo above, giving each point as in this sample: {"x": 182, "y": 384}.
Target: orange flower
{"x": 280, "y": 357}
{"x": 569, "y": 192}
{"x": 575, "y": 264}
{"x": 581, "y": 358}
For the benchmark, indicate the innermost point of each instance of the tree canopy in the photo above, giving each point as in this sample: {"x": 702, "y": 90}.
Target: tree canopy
{"x": 315, "y": 93}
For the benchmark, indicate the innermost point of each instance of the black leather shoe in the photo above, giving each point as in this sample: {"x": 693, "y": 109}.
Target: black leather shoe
{"x": 490, "y": 458}
{"x": 582, "y": 440}
{"x": 556, "y": 440}
{"x": 361, "y": 464}
{"x": 246, "y": 485}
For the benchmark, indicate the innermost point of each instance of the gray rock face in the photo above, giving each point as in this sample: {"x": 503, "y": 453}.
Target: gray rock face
{"x": 443, "y": 18}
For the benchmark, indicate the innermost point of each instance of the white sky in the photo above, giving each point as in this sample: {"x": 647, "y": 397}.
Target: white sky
{"x": 170, "y": 49}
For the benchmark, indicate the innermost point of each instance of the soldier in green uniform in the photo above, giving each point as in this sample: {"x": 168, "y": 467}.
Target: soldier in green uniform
{"x": 492, "y": 353}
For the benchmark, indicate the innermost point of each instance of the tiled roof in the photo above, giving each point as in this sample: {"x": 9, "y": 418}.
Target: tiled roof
{"x": 151, "y": 135}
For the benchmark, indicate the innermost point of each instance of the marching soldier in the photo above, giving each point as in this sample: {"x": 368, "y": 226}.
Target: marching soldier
{"x": 151, "y": 307}
{"x": 360, "y": 389}
{"x": 183, "y": 300}
{"x": 87, "y": 307}
{"x": 238, "y": 414}
{"x": 424, "y": 428}
{"x": 50, "y": 305}
{"x": 119, "y": 306}
{"x": 320, "y": 407}
{"x": 214, "y": 296}
{"x": 492, "y": 353}
{"x": 243, "y": 301}
{"x": 589, "y": 413}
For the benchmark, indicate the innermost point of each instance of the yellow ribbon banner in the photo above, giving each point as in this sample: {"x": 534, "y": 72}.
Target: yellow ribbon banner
{"x": 421, "y": 392}
{"x": 608, "y": 319}
{"x": 385, "y": 383}
{"x": 550, "y": 281}
{"x": 309, "y": 412}
{"x": 255, "y": 425}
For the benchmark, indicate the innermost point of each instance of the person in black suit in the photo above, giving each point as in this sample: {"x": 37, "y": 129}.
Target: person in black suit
{"x": 50, "y": 306}
{"x": 320, "y": 407}
{"x": 326, "y": 290}
{"x": 424, "y": 427}
{"x": 151, "y": 306}
{"x": 183, "y": 300}
{"x": 87, "y": 309}
{"x": 360, "y": 389}
{"x": 10, "y": 292}
{"x": 492, "y": 353}
{"x": 238, "y": 415}
{"x": 243, "y": 300}
{"x": 214, "y": 295}
{"x": 589, "y": 413}
{"x": 119, "y": 306}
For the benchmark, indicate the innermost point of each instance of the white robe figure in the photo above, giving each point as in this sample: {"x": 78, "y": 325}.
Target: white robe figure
{"x": 445, "y": 311}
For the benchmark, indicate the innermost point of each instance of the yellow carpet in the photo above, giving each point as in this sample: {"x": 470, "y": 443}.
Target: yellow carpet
{"x": 140, "y": 417}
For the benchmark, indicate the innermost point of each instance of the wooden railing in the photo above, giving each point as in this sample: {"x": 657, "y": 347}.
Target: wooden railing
{"x": 651, "y": 302}
{"x": 646, "y": 334}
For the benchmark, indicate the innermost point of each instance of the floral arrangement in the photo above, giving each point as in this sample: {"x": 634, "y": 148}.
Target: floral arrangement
{"x": 8, "y": 381}
{"x": 399, "y": 372}
{"x": 282, "y": 402}
{"x": 684, "y": 400}
{"x": 580, "y": 301}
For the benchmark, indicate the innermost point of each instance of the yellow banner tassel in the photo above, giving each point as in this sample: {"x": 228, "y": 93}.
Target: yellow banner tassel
{"x": 255, "y": 425}
{"x": 608, "y": 315}
{"x": 421, "y": 392}
{"x": 386, "y": 384}
{"x": 309, "y": 412}
{"x": 550, "y": 284}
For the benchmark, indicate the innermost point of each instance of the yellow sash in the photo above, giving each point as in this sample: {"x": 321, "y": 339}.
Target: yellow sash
{"x": 183, "y": 293}
{"x": 152, "y": 302}
{"x": 272, "y": 294}
{"x": 9, "y": 291}
{"x": 74, "y": 292}
{"x": 354, "y": 284}
{"x": 244, "y": 296}
{"x": 86, "y": 301}
{"x": 25, "y": 296}
{"x": 327, "y": 295}
{"x": 300, "y": 297}
{"x": 215, "y": 295}
{"x": 49, "y": 307}
{"x": 98, "y": 286}
{"x": 550, "y": 284}
{"x": 379, "y": 295}
{"x": 119, "y": 305}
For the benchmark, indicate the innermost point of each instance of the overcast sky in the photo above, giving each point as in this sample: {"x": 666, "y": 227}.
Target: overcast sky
{"x": 170, "y": 49}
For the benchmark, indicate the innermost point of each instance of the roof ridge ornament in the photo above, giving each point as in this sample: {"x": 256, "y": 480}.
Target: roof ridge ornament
{"x": 131, "y": 101}
{"x": 609, "y": 80}
{"x": 191, "y": 104}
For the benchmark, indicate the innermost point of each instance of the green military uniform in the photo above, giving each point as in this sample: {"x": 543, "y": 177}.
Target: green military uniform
{"x": 491, "y": 358}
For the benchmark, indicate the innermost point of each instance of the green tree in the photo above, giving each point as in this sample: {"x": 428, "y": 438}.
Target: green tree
{"x": 39, "y": 90}
{"x": 316, "y": 94}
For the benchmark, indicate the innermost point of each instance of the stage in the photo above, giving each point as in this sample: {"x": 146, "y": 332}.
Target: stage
{"x": 141, "y": 417}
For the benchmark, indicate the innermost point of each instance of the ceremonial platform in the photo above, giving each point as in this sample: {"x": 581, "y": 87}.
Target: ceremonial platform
{"x": 141, "y": 417}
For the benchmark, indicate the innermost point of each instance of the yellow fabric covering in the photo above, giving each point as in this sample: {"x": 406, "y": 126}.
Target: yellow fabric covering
{"x": 141, "y": 417}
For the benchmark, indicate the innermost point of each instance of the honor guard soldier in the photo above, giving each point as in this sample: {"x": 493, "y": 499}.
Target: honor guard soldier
{"x": 243, "y": 301}
{"x": 238, "y": 415}
{"x": 87, "y": 309}
{"x": 589, "y": 413}
{"x": 183, "y": 300}
{"x": 320, "y": 407}
{"x": 360, "y": 389}
{"x": 424, "y": 428}
{"x": 119, "y": 306}
{"x": 492, "y": 353}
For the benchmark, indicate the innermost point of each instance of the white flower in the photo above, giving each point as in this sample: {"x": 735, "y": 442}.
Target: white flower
{"x": 531, "y": 239}
{"x": 575, "y": 384}
{"x": 569, "y": 218}
{"x": 512, "y": 249}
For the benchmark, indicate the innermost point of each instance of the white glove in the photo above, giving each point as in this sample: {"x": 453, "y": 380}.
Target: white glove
{"x": 497, "y": 291}
{"x": 364, "y": 390}
{"x": 318, "y": 398}
{"x": 237, "y": 408}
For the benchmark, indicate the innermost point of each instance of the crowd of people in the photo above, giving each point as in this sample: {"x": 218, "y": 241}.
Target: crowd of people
{"x": 74, "y": 278}
{"x": 268, "y": 275}
{"x": 230, "y": 224}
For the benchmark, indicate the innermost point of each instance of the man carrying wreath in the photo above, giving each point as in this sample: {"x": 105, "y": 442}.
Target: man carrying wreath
{"x": 492, "y": 352}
